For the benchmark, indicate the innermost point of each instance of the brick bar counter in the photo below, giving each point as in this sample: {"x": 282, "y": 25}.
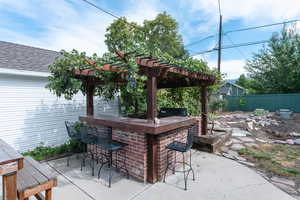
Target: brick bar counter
{"x": 146, "y": 152}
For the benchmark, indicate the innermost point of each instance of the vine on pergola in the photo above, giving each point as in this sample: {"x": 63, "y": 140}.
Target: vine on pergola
{"x": 153, "y": 39}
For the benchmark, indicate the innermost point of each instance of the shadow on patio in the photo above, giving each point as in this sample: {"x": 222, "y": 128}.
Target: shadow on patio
{"x": 216, "y": 178}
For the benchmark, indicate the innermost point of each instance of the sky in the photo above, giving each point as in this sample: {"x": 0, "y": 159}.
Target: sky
{"x": 73, "y": 24}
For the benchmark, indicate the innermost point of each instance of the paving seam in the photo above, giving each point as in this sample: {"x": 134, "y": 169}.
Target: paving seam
{"x": 68, "y": 179}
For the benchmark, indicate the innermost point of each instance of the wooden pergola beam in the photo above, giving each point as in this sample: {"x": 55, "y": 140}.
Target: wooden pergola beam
{"x": 151, "y": 98}
{"x": 204, "y": 112}
{"x": 90, "y": 87}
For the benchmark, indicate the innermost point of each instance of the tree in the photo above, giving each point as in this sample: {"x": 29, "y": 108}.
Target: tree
{"x": 158, "y": 34}
{"x": 247, "y": 83}
{"x": 162, "y": 33}
{"x": 276, "y": 68}
{"x": 243, "y": 81}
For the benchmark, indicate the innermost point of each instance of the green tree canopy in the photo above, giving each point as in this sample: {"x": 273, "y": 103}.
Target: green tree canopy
{"x": 276, "y": 68}
{"x": 246, "y": 83}
{"x": 158, "y": 34}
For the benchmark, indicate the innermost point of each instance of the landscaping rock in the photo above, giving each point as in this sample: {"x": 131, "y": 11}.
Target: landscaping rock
{"x": 260, "y": 140}
{"x": 247, "y": 163}
{"x": 279, "y": 142}
{"x": 289, "y": 141}
{"x": 236, "y": 141}
{"x": 288, "y": 189}
{"x": 283, "y": 180}
{"x": 233, "y": 153}
{"x": 251, "y": 145}
{"x": 224, "y": 149}
{"x": 263, "y": 174}
{"x": 240, "y": 158}
{"x": 297, "y": 141}
{"x": 294, "y": 134}
{"x": 228, "y": 143}
{"x": 226, "y": 155}
{"x": 247, "y": 139}
{"x": 239, "y": 132}
{"x": 250, "y": 125}
{"x": 237, "y": 147}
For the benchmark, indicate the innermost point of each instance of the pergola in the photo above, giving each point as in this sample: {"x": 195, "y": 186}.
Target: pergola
{"x": 160, "y": 75}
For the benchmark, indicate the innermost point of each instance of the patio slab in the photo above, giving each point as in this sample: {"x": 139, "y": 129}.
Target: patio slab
{"x": 216, "y": 178}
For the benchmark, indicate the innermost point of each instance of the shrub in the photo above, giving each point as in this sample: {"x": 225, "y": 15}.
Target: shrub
{"x": 45, "y": 152}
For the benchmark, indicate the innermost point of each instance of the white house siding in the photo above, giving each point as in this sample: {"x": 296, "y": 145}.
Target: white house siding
{"x": 31, "y": 116}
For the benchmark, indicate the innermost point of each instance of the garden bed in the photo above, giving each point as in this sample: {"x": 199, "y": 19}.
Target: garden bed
{"x": 277, "y": 159}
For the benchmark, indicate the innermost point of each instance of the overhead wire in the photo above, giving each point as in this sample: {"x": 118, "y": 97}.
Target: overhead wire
{"x": 107, "y": 12}
{"x": 237, "y": 48}
{"x": 101, "y": 9}
{"x": 243, "y": 29}
{"x": 232, "y": 46}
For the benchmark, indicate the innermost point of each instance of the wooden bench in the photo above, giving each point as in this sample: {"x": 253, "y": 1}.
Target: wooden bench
{"x": 34, "y": 179}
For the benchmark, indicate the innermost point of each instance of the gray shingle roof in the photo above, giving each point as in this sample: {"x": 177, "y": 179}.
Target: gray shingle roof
{"x": 21, "y": 57}
{"x": 224, "y": 90}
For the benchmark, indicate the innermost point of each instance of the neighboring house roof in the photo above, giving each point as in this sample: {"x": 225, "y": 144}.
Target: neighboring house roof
{"x": 236, "y": 85}
{"x": 20, "y": 57}
{"x": 227, "y": 90}
{"x": 224, "y": 90}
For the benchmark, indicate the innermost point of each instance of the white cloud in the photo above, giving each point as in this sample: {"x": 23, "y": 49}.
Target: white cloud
{"x": 140, "y": 10}
{"x": 252, "y": 11}
{"x": 231, "y": 68}
{"x": 66, "y": 24}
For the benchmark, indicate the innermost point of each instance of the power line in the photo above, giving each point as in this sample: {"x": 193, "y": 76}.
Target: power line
{"x": 262, "y": 26}
{"x": 201, "y": 40}
{"x": 237, "y": 48}
{"x": 108, "y": 12}
{"x": 244, "y": 29}
{"x": 101, "y": 9}
{"x": 233, "y": 46}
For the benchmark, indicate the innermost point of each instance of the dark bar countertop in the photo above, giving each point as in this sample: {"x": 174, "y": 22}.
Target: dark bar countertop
{"x": 139, "y": 125}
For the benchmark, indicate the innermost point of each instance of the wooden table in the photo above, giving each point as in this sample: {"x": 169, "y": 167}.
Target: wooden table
{"x": 10, "y": 162}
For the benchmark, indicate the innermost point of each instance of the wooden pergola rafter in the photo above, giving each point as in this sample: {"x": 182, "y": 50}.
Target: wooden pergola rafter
{"x": 159, "y": 75}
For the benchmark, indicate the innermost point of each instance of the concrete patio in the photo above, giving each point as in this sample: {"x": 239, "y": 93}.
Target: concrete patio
{"x": 216, "y": 178}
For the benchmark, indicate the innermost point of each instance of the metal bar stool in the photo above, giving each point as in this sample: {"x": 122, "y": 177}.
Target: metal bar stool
{"x": 88, "y": 138}
{"x": 177, "y": 146}
{"x": 111, "y": 147}
{"x": 74, "y": 134}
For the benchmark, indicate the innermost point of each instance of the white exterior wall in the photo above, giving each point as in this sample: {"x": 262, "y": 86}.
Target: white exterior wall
{"x": 30, "y": 115}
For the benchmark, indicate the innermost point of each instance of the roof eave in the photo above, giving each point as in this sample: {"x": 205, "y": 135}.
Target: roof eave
{"x": 23, "y": 72}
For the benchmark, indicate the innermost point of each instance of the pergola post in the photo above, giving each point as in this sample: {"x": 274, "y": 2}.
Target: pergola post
{"x": 90, "y": 98}
{"x": 151, "y": 98}
{"x": 204, "y": 110}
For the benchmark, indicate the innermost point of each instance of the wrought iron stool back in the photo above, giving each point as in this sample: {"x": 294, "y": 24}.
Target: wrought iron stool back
{"x": 74, "y": 134}
{"x": 71, "y": 129}
{"x": 110, "y": 147}
{"x": 88, "y": 137}
{"x": 178, "y": 146}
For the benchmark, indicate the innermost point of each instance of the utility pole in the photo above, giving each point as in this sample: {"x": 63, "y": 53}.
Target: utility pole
{"x": 220, "y": 44}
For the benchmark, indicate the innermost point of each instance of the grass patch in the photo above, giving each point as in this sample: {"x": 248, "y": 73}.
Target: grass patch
{"x": 45, "y": 152}
{"x": 279, "y": 159}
